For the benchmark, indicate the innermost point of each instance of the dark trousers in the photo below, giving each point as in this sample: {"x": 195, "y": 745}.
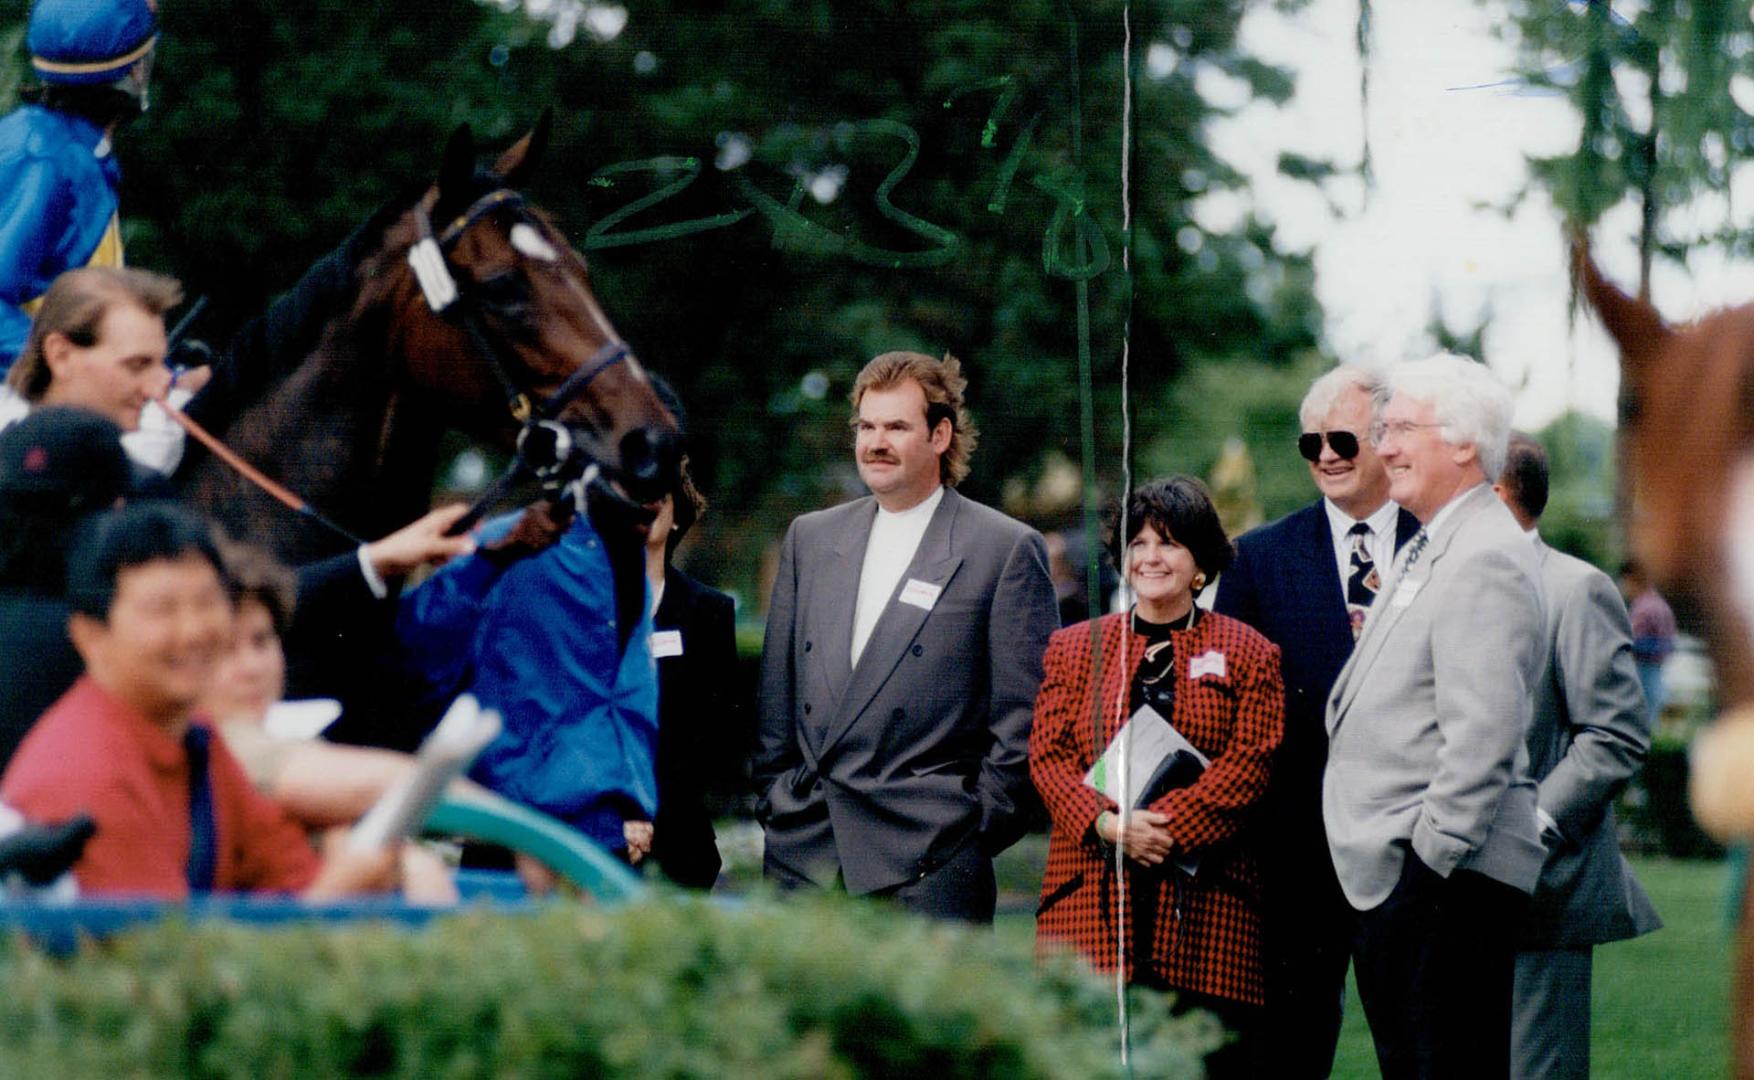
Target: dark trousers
{"x": 964, "y": 888}
{"x": 1307, "y": 928}
{"x": 1436, "y": 964}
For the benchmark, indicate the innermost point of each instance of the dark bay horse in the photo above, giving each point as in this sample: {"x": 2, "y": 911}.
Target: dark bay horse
{"x": 465, "y": 308}
{"x": 1687, "y": 441}
{"x": 353, "y": 428}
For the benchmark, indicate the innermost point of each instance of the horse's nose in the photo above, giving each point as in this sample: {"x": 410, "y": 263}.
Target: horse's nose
{"x": 649, "y": 458}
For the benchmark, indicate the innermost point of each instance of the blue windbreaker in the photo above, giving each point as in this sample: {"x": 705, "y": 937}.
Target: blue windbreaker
{"x": 59, "y": 188}
{"x": 537, "y": 642}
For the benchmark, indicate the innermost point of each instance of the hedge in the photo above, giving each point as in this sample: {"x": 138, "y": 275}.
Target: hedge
{"x": 676, "y": 987}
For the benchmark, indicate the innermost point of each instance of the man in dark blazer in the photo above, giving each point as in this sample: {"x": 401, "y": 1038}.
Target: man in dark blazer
{"x": 1427, "y": 801}
{"x": 903, "y": 653}
{"x": 1305, "y": 582}
{"x": 1589, "y": 737}
{"x": 700, "y": 716}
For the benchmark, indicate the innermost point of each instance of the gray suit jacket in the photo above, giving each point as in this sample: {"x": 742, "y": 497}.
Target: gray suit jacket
{"x": 1588, "y": 739}
{"x": 1427, "y": 720}
{"x": 885, "y": 770}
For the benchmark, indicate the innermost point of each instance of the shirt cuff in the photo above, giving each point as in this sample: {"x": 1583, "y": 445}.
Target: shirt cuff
{"x": 370, "y": 573}
{"x": 1548, "y": 825}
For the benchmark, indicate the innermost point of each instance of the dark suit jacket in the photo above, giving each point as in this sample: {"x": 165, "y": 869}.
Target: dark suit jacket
{"x": 1587, "y": 740}
{"x": 699, "y": 718}
{"x": 37, "y": 662}
{"x": 885, "y": 770}
{"x": 1286, "y": 584}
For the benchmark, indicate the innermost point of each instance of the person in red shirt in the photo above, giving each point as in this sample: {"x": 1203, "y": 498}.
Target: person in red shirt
{"x": 174, "y": 810}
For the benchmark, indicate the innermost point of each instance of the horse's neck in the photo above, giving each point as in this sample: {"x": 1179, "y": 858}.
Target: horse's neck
{"x": 342, "y": 434}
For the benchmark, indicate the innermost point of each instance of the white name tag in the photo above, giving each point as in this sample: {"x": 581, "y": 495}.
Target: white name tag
{"x": 1211, "y": 663}
{"x": 1405, "y": 592}
{"x": 666, "y": 643}
{"x": 921, "y": 594}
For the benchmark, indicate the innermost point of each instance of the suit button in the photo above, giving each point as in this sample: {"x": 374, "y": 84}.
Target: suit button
{"x": 806, "y": 646}
{"x": 806, "y": 708}
{"x": 919, "y": 650}
{"x": 897, "y": 714}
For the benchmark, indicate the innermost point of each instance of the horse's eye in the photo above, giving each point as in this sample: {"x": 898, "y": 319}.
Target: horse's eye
{"x": 505, "y": 294}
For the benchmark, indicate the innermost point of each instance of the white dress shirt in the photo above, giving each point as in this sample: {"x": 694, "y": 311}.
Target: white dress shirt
{"x": 894, "y": 539}
{"x": 1382, "y": 537}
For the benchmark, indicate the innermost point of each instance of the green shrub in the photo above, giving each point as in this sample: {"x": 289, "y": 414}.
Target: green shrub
{"x": 677, "y": 987}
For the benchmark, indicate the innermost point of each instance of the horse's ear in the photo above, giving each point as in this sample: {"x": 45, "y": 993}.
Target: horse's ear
{"x": 457, "y": 169}
{"x": 1633, "y": 324}
{"x": 516, "y": 165}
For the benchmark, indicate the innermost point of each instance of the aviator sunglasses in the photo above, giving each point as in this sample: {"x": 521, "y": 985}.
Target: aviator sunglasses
{"x": 1343, "y": 443}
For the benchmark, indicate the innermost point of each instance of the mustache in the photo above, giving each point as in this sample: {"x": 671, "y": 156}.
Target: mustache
{"x": 878, "y": 455}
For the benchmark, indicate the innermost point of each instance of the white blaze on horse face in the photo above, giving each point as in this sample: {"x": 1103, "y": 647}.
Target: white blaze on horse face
{"x": 1738, "y": 548}
{"x": 527, "y": 240}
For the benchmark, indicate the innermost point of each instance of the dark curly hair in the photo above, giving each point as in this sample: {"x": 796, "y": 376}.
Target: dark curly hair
{"x": 1179, "y": 508}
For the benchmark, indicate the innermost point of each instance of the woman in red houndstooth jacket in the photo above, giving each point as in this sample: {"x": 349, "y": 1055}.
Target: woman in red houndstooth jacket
{"x": 1217, "y": 682}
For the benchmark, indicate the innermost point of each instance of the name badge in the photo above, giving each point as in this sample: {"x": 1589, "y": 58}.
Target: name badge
{"x": 1211, "y": 663}
{"x": 1405, "y": 593}
{"x": 666, "y": 643}
{"x": 921, "y": 594}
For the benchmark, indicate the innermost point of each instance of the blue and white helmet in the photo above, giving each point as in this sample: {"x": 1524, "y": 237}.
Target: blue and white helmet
{"x": 91, "y": 42}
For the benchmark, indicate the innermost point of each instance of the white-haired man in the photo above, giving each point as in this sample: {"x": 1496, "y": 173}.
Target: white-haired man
{"x": 1428, "y": 805}
{"x": 1306, "y": 581}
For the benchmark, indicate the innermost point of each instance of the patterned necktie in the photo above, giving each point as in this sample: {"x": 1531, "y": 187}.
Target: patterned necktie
{"x": 203, "y": 843}
{"x": 1415, "y": 548}
{"x": 1363, "y": 581}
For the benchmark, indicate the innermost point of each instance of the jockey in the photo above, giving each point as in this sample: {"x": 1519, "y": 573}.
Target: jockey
{"x": 58, "y": 177}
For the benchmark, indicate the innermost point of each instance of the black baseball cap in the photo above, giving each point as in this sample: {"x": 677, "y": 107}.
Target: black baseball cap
{"x": 63, "y": 459}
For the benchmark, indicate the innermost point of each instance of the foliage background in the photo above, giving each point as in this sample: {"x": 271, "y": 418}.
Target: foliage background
{"x": 278, "y": 126}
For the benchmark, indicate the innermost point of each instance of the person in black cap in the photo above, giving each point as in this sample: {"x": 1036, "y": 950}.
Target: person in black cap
{"x": 57, "y": 466}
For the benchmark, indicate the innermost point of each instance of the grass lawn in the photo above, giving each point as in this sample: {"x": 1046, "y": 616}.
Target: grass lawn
{"x": 1660, "y": 1000}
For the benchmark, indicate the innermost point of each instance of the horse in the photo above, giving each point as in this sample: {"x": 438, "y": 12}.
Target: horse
{"x": 469, "y": 310}
{"x": 1687, "y": 454}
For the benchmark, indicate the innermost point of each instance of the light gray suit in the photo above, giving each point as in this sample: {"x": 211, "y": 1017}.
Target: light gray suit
{"x": 1426, "y": 721}
{"x": 917, "y": 758}
{"x": 1428, "y": 805}
{"x": 1588, "y": 739}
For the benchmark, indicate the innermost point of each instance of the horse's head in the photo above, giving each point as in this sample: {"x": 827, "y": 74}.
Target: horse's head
{"x": 497, "y": 321}
{"x": 1687, "y": 439}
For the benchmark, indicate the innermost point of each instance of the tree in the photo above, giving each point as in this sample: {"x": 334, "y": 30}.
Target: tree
{"x": 1663, "y": 97}
{"x": 769, "y": 194}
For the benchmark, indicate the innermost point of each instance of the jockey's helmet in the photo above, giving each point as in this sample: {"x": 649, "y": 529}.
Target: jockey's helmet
{"x": 93, "y": 43}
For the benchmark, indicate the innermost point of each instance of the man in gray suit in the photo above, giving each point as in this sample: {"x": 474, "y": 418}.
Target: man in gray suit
{"x": 903, "y": 653}
{"x": 1429, "y": 809}
{"x": 1589, "y": 737}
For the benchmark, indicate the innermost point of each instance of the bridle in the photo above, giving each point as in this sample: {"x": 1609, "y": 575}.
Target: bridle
{"x": 545, "y": 447}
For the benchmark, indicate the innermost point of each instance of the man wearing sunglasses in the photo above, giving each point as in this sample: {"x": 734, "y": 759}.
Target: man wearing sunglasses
{"x": 1307, "y": 581}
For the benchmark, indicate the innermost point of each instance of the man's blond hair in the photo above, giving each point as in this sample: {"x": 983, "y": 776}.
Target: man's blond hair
{"x": 75, "y": 306}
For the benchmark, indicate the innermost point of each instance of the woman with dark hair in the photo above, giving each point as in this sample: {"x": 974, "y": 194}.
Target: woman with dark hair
{"x": 695, "y": 645}
{"x": 694, "y": 641}
{"x": 1187, "y": 915}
